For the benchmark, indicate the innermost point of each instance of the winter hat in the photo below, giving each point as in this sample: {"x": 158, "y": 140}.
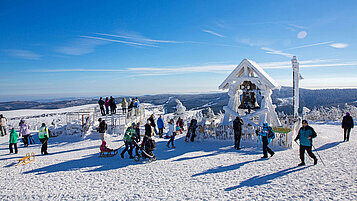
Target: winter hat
{"x": 265, "y": 124}
{"x": 304, "y": 121}
{"x": 347, "y": 114}
{"x": 148, "y": 122}
{"x": 104, "y": 143}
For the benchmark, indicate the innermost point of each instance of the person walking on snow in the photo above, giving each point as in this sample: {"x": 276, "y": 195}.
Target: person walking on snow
{"x": 101, "y": 106}
{"x": 160, "y": 126}
{"x": 13, "y": 140}
{"x": 347, "y": 125}
{"x": 128, "y": 140}
{"x": 265, "y": 132}
{"x": 106, "y": 104}
{"x": 124, "y": 105}
{"x": 237, "y": 127}
{"x": 3, "y": 122}
{"x": 24, "y": 132}
{"x": 43, "y": 136}
{"x": 305, "y": 135}
{"x": 148, "y": 129}
{"x": 171, "y": 134}
{"x": 102, "y": 128}
{"x": 152, "y": 123}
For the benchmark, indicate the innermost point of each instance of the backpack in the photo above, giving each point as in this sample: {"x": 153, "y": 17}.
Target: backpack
{"x": 271, "y": 134}
{"x": 150, "y": 144}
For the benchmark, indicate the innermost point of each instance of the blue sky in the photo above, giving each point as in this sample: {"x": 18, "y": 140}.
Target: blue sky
{"x": 93, "y": 48}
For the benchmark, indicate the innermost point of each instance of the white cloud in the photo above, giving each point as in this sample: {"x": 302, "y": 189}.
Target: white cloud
{"x": 310, "y": 45}
{"x": 120, "y": 41}
{"x": 138, "y": 37}
{"x": 278, "y": 52}
{"x": 339, "y": 45}
{"x": 213, "y": 33}
{"x": 302, "y": 34}
{"x": 79, "y": 47}
{"x": 23, "y": 54}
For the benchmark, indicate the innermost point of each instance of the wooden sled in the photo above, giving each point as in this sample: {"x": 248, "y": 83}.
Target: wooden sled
{"x": 27, "y": 159}
{"x": 109, "y": 153}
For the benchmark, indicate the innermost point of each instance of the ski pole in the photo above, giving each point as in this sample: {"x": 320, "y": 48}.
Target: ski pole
{"x": 318, "y": 154}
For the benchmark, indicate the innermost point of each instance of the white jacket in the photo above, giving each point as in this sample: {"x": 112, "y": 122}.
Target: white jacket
{"x": 171, "y": 130}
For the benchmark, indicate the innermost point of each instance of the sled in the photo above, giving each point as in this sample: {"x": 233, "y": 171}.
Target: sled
{"x": 108, "y": 153}
{"x": 27, "y": 159}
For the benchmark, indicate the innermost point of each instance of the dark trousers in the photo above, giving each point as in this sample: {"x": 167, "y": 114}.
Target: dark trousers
{"x": 161, "y": 131}
{"x": 346, "y": 134}
{"x": 15, "y": 146}
{"x": 193, "y": 134}
{"x": 124, "y": 110}
{"x": 266, "y": 149}
{"x": 129, "y": 148}
{"x": 44, "y": 145}
{"x": 309, "y": 151}
{"x": 172, "y": 138}
{"x": 112, "y": 110}
{"x": 3, "y": 130}
{"x": 107, "y": 109}
{"x": 26, "y": 140}
{"x": 102, "y": 110}
{"x": 136, "y": 145}
{"x": 237, "y": 136}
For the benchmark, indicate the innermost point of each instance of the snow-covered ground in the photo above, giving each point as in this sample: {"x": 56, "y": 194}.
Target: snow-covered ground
{"x": 208, "y": 170}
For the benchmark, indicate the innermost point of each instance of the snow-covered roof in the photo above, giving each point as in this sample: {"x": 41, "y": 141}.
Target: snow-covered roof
{"x": 248, "y": 68}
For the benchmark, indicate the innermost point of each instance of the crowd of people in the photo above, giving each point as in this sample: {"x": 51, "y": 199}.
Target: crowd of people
{"x": 109, "y": 106}
{"x": 132, "y": 139}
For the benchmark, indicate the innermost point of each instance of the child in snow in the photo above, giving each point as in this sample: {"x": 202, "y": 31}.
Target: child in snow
{"x": 171, "y": 134}
{"x": 104, "y": 148}
{"x": 13, "y": 140}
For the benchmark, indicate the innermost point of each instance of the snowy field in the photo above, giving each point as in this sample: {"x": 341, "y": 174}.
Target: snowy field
{"x": 209, "y": 170}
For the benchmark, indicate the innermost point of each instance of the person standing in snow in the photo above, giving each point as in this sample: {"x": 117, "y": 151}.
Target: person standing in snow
{"x": 347, "y": 125}
{"x": 152, "y": 123}
{"x": 24, "y": 132}
{"x": 3, "y": 122}
{"x": 106, "y": 104}
{"x": 130, "y": 108}
{"x": 101, "y": 106}
{"x": 102, "y": 128}
{"x": 112, "y": 105}
{"x": 305, "y": 135}
{"x": 160, "y": 126}
{"x": 171, "y": 134}
{"x": 136, "y": 105}
{"x": 128, "y": 140}
{"x": 13, "y": 140}
{"x": 264, "y": 133}
{"x": 43, "y": 136}
{"x": 191, "y": 131}
{"x": 124, "y": 105}
{"x": 148, "y": 129}
{"x": 237, "y": 128}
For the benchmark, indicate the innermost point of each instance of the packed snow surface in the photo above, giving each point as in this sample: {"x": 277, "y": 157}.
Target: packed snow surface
{"x": 208, "y": 170}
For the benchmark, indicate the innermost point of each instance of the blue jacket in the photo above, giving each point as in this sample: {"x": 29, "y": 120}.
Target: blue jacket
{"x": 160, "y": 123}
{"x": 265, "y": 132}
{"x": 304, "y": 133}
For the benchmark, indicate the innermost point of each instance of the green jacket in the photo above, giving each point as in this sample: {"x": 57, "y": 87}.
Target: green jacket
{"x": 129, "y": 133}
{"x": 43, "y": 133}
{"x": 13, "y": 136}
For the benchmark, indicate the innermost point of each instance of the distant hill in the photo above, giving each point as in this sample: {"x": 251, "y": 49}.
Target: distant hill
{"x": 282, "y": 98}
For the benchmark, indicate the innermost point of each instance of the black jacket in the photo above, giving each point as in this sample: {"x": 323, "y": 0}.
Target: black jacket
{"x": 102, "y": 127}
{"x": 152, "y": 121}
{"x": 101, "y": 102}
{"x": 237, "y": 125}
{"x": 347, "y": 122}
{"x": 148, "y": 130}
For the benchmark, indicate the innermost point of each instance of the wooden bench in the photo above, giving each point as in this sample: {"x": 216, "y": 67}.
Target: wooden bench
{"x": 27, "y": 159}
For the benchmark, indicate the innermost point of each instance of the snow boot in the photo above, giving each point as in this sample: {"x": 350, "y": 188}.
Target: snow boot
{"x": 168, "y": 146}
{"x": 301, "y": 164}
{"x": 122, "y": 155}
{"x": 265, "y": 157}
{"x": 315, "y": 161}
{"x": 271, "y": 155}
{"x": 173, "y": 147}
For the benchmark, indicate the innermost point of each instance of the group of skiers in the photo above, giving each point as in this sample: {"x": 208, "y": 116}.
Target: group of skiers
{"x": 110, "y": 105}
{"x": 43, "y": 135}
{"x": 305, "y": 135}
